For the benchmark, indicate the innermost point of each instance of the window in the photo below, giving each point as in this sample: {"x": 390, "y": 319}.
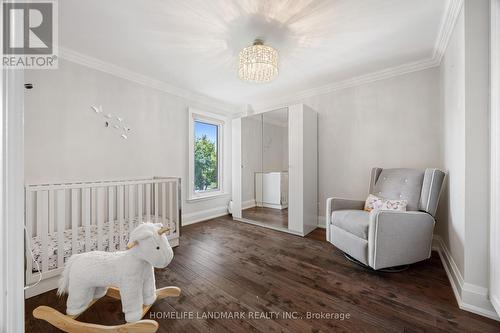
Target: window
{"x": 206, "y": 157}
{"x": 205, "y": 150}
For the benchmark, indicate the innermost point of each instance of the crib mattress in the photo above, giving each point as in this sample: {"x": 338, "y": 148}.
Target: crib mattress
{"x": 52, "y": 245}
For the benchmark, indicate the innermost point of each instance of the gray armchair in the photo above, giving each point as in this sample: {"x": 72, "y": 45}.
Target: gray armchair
{"x": 381, "y": 238}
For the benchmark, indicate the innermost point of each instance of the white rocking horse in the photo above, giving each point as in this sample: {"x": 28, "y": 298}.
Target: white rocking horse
{"x": 88, "y": 277}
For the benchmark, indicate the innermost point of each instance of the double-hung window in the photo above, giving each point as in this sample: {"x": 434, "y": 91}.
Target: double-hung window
{"x": 206, "y": 132}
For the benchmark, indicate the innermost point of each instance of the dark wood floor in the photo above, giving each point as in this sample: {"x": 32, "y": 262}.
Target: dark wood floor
{"x": 268, "y": 216}
{"x": 227, "y": 266}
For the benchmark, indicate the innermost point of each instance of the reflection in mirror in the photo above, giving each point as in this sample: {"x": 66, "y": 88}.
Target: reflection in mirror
{"x": 264, "y": 144}
{"x": 251, "y": 160}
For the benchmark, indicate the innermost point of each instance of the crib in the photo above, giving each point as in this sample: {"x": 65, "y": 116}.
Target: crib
{"x": 64, "y": 219}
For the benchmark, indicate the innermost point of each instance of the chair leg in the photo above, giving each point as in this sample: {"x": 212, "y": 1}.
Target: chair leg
{"x": 395, "y": 269}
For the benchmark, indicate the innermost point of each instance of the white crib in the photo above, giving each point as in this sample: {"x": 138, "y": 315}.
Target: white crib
{"x": 63, "y": 219}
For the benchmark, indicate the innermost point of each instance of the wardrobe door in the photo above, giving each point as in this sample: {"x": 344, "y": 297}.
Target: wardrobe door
{"x": 303, "y": 178}
{"x": 275, "y": 163}
{"x": 251, "y": 165}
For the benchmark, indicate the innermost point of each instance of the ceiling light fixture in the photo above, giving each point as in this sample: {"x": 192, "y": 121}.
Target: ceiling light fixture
{"x": 258, "y": 62}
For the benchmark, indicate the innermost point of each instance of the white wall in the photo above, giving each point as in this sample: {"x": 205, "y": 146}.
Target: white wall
{"x": 477, "y": 133}
{"x": 390, "y": 123}
{"x": 451, "y": 214}
{"x": 464, "y": 213}
{"x": 495, "y": 156}
{"x": 66, "y": 141}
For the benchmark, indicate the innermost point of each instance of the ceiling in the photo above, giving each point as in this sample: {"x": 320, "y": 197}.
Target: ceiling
{"x": 193, "y": 44}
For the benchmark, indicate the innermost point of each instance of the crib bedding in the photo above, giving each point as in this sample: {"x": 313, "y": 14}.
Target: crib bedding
{"x": 52, "y": 244}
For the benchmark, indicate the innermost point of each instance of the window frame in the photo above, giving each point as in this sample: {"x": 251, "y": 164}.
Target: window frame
{"x": 212, "y": 119}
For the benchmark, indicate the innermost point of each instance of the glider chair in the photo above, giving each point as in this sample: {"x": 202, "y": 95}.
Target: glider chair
{"x": 388, "y": 240}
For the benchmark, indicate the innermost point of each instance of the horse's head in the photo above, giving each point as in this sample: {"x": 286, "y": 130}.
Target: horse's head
{"x": 149, "y": 242}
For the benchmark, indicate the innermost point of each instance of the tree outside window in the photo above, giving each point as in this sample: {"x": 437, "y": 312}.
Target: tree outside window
{"x": 206, "y": 161}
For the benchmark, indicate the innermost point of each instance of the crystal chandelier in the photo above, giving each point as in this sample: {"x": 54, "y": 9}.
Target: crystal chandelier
{"x": 258, "y": 63}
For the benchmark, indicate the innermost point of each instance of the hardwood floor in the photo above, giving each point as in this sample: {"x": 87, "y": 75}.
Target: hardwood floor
{"x": 224, "y": 266}
{"x": 268, "y": 216}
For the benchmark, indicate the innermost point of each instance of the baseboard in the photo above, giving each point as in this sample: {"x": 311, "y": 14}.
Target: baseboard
{"x": 248, "y": 204}
{"x": 470, "y": 297}
{"x": 321, "y": 222}
{"x": 44, "y": 286}
{"x": 272, "y": 206}
{"x": 203, "y": 215}
{"x": 496, "y": 303}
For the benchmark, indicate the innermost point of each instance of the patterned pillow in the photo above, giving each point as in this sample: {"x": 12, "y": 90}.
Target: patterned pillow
{"x": 374, "y": 202}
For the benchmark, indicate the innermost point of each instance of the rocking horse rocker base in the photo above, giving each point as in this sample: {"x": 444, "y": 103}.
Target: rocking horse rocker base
{"x": 69, "y": 323}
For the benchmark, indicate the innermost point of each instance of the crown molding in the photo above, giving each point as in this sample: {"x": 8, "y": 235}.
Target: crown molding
{"x": 349, "y": 83}
{"x": 448, "y": 22}
{"x": 447, "y": 25}
{"x": 109, "y": 68}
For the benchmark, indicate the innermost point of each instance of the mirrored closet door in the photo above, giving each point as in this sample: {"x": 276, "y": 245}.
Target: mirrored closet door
{"x": 276, "y": 186}
{"x": 264, "y": 148}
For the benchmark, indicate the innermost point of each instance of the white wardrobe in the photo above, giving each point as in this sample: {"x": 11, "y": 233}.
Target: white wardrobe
{"x": 300, "y": 202}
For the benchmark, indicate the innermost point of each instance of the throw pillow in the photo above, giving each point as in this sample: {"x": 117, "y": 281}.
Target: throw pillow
{"x": 374, "y": 202}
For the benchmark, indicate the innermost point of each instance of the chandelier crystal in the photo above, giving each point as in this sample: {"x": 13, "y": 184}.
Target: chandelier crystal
{"x": 258, "y": 63}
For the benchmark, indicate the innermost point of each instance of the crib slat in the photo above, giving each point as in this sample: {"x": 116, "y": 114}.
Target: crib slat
{"x": 164, "y": 199}
{"x": 156, "y": 194}
{"x": 171, "y": 205}
{"x": 93, "y": 206}
{"x": 130, "y": 207}
{"x": 177, "y": 205}
{"x": 111, "y": 218}
{"x": 60, "y": 218}
{"x": 119, "y": 211}
{"x": 74, "y": 220}
{"x": 29, "y": 229}
{"x": 51, "y": 212}
{"x": 148, "y": 202}
{"x": 100, "y": 217}
{"x": 140, "y": 189}
{"x": 86, "y": 215}
{"x": 42, "y": 215}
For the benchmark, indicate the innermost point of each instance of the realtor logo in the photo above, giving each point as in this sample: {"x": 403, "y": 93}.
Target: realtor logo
{"x": 29, "y": 34}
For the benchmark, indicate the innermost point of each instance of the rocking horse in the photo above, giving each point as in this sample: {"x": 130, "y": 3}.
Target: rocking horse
{"x": 86, "y": 278}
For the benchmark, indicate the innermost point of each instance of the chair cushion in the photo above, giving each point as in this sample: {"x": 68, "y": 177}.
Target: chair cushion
{"x": 353, "y": 221}
{"x": 400, "y": 184}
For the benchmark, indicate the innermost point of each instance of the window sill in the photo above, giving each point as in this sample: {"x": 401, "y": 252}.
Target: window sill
{"x": 207, "y": 196}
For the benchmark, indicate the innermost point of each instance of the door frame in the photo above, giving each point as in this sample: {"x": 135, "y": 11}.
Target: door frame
{"x": 495, "y": 156}
{"x": 12, "y": 201}
{"x": 12, "y": 196}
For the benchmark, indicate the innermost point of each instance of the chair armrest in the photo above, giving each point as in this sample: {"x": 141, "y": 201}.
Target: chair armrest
{"x": 399, "y": 238}
{"x": 339, "y": 204}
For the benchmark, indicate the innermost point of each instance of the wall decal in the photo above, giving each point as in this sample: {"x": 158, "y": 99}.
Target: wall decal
{"x": 113, "y": 122}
